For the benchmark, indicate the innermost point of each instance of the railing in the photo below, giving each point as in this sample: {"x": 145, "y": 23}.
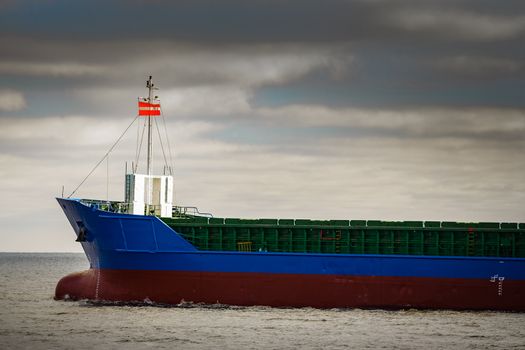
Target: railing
{"x": 188, "y": 211}
{"x": 244, "y": 246}
{"x": 111, "y": 206}
{"x": 125, "y": 208}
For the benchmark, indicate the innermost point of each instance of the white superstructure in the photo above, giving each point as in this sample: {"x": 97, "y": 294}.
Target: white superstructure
{"x": 149, "y": 194}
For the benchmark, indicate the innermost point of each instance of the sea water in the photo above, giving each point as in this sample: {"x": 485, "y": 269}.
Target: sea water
{"x": 31, "y": 319}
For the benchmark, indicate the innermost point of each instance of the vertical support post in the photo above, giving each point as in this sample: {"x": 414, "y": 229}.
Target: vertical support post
{"x": 149, "y": 85}
{"x": 107, "y": 178}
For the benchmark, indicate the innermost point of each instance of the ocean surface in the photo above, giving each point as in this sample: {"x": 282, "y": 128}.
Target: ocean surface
{"x": 31, "y": 319}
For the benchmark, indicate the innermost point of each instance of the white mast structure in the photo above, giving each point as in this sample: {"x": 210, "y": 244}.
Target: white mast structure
{"x": 148, "y": 194}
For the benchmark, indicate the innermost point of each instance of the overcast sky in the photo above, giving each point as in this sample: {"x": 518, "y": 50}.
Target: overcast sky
{"x": 393, "y": 110}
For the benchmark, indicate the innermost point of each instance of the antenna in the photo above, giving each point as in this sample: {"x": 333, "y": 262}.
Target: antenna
{"x": 149, "y": 85}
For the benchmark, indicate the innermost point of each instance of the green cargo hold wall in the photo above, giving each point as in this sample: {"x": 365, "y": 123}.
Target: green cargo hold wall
{"x": 353, "y": 236}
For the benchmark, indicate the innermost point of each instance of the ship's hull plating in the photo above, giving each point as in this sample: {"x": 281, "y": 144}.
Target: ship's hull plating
{"x": 169, "y": 270}
{"x": 297, "y": 290}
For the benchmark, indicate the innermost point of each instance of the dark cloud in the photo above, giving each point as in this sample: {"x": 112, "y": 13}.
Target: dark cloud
{"x": 189, "y": 20}
{"x": 378, "y": 53}
{"x": 481, "y": 67}
{"x": 237, "y": 20}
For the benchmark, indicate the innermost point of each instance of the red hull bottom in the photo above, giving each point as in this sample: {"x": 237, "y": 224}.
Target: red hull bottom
{"x": 293, "y": 290}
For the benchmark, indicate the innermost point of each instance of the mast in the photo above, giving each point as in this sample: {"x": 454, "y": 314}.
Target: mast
{"x": 149, "y": 194}
{"x": 149, "y": 85}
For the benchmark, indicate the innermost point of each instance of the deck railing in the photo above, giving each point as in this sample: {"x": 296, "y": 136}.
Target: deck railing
{"x": 110, "y": 206}
{"x": 179, "y": 212}
{"x": 125, "y": 208}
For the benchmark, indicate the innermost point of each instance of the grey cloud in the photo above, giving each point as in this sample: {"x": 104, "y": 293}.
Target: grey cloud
{"x": 258, "y": 20}
{"x": 11, "y": 100}
{"x": 236, "y": 21}
{"x": 361, "y": 48}
{"x": 501, "y": 125}
{"x": 460, "y": 24}
{"x": 184, "y": 63}
{"x": 55, "y": 69}
{"x": 479, "y": 66}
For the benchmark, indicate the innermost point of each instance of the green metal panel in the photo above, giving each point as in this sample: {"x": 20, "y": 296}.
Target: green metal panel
{"x": 340, "y": 222}
{"x": 452, "y": 224}
{"x": 473, "y": 225}
{"x": 520, "y": 244}
{"x": 413, "y": 224}
{"x": 320, "y": 222}
{"x": 386, "y": 244}
{"x": 283, "y": 240}
{"x": 373, "y": 223}
{"x": 356, "y": 241}
{"x": 357, "y": 223}
{"x": 353, "y": 237}
{"x": 377, "y": 223}
{"x": 506, "y": 244}
{"x": 268, "y": 221}
{"x": 233, "y": 221}
{"x": 509, "y": 225}
{"x": 433, "y": 224}
{"x": 493, "y": 225}
{"x": 298, "y": 240}
{"x": 491, "y": 244}
{"x": 286, "y": 221}
{"x": 270, "y": 235}
{"x": 200, "y": 219}
{"x": 303, "y": 222}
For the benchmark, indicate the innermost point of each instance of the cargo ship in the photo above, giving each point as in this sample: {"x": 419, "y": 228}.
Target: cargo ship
{"x": 145, "y": 249}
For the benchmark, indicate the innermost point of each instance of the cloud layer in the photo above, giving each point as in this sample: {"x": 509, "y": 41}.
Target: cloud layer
{"x": 11, "y": 100}
{"x": 401, "y": 110}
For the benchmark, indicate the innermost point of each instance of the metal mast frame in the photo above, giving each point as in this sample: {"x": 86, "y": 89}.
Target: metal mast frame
{"x": 150, "y": 86}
